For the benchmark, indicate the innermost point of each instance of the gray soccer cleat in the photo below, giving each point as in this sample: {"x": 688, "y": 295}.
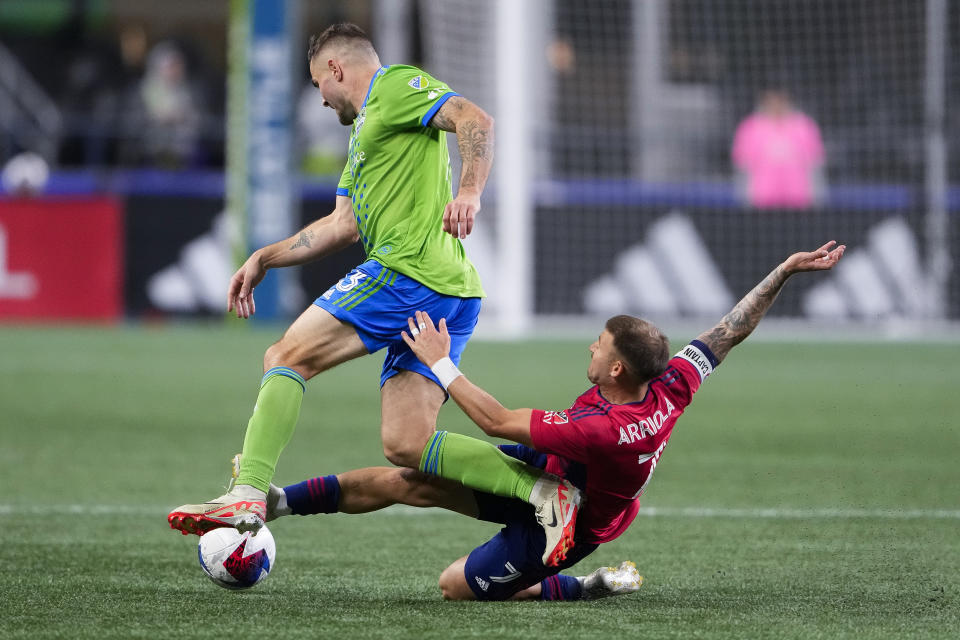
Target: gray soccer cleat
{"x": 611, "y": 581}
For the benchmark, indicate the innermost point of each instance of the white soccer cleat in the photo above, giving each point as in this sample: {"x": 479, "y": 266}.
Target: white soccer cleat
{"x": 232, "y": 509}
{"x": 611, "y": 581}
{"x": 229, "y": 510}
{"x": 556, "y": 502}
{"x": 273, "y": 495}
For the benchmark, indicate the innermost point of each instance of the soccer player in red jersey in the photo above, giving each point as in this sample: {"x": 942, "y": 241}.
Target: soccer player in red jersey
{"x": 607, "y": 444}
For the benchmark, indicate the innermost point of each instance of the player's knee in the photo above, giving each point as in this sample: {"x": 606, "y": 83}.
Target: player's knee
{"x": 284, "y": 353}
{"x": 446, "y": 592}
{"x": 402, "y": 454}
{"x": 403, "y": 448}
{"x": 276, "y": 355}
{"x": 453, "y": 585}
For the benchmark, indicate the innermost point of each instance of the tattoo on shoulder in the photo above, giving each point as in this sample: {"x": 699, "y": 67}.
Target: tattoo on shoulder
{"x": 302, "y": 241}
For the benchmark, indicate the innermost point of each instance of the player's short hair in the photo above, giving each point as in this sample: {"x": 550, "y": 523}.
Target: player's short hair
{"x": 340, "y": 34}
{"x": 644, "y": 348}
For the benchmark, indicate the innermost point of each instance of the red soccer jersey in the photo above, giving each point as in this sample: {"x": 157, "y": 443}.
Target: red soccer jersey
{"x": 610, "y": 450}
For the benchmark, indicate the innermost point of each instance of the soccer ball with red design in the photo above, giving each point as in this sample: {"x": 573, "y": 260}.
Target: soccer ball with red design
{"x": 237, "y": 560}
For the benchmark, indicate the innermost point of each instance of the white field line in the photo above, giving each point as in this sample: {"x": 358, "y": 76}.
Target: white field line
{"x": 402, "y": 510}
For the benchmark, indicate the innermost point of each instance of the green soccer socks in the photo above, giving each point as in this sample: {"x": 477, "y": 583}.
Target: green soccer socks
{"x": 271, "y": 426}
{"x": 478, "y": 465}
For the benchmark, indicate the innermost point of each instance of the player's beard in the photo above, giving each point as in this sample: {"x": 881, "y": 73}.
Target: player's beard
{"x": 347, "y": 114}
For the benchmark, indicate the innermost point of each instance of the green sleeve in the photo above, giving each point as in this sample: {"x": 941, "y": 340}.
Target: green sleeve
{"x": 412, "y": 97}
{"x": 345, "y": 186}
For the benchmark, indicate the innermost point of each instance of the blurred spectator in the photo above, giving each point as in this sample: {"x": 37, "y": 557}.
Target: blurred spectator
{"x": 133, "y": 47}
{"x": 322, "y": 139}
{"x": 166, "y": 113}
{"x": 25, "y": 175}
{"x": 780, "y": 152}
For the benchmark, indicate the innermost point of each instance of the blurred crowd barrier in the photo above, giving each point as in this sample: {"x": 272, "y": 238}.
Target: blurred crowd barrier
{"x": 149, "y": 251}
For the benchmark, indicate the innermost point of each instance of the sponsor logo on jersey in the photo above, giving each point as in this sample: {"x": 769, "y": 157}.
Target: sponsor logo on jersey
{"x": 555, "y": 417}
{"x": 695, "y": 357}
{"x": 419, "y": 82}
{"x": 483, "y": 583}
{"x": 433, "y": 94}
{"x": 645, "y": 428}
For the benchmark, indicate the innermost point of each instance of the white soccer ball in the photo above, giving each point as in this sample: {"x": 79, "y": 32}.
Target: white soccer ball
{"x": 237, "y": 560}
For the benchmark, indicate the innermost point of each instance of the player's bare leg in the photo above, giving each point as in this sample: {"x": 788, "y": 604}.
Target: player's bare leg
{"x": 409, "y": 405}
{"x": 453, "y": 582}
{"x": 315, "y": 342}
{"x": 375, "y": 488}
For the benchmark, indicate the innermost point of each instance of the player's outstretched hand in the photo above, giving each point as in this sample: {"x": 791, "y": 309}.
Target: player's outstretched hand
{"x": 240, "y": 291}
{"x": 459, "y": 214}
{"x": 820, "y": 260}
{"x": 427, "y": 342}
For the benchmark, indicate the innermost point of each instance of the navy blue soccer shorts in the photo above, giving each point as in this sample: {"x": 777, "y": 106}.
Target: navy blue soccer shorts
{"x": 512, "y": 560}
{"x": 377, "y": 301}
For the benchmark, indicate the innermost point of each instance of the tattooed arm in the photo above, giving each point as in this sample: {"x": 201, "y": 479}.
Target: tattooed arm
{"x": 744, "y": 318}
{"x": 318, "y": 239}
{"x": 474, "y": 129}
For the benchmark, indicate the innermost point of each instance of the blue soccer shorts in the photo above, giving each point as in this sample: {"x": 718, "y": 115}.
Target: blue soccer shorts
{"x": 377, "y": 301}
{"x": 512, "y": 560}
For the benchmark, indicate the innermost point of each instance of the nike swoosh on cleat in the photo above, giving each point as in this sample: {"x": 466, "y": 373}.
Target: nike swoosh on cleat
{"x": 553, "y": 515}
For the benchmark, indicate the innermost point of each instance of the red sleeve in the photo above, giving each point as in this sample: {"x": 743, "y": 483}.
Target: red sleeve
{"x": 553, "y": 432}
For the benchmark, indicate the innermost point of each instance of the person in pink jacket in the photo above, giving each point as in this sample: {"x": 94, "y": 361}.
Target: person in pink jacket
{"x": 779, "y": 150}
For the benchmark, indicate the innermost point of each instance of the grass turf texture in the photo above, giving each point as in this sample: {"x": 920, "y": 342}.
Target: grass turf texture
{"x": 102, "y": 431}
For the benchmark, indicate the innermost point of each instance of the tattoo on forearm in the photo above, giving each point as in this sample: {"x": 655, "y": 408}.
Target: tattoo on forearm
{"x": 302, "y": 241}
{"x": 476, "y": 148}
{"x": 745, "y": 317}
{"x": 474, "y": 139}
{"x": 475, "y": 144}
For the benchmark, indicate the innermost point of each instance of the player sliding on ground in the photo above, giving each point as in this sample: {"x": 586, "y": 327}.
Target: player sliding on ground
{"x": 395, "y": 197}
{"x": 608, "y": 444}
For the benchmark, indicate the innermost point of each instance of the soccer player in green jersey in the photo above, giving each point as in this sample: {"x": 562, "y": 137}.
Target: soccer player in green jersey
{"x": 395, "y": 197}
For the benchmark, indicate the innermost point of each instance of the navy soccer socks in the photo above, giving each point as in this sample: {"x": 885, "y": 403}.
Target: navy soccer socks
{"x": 317, "y": 495}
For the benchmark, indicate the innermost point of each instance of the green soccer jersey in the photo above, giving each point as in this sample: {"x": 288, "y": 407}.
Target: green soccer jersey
{"x": 398, "y": 177}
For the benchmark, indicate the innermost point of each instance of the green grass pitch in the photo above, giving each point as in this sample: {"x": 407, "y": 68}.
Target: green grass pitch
{"x": 811, "y": 491}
